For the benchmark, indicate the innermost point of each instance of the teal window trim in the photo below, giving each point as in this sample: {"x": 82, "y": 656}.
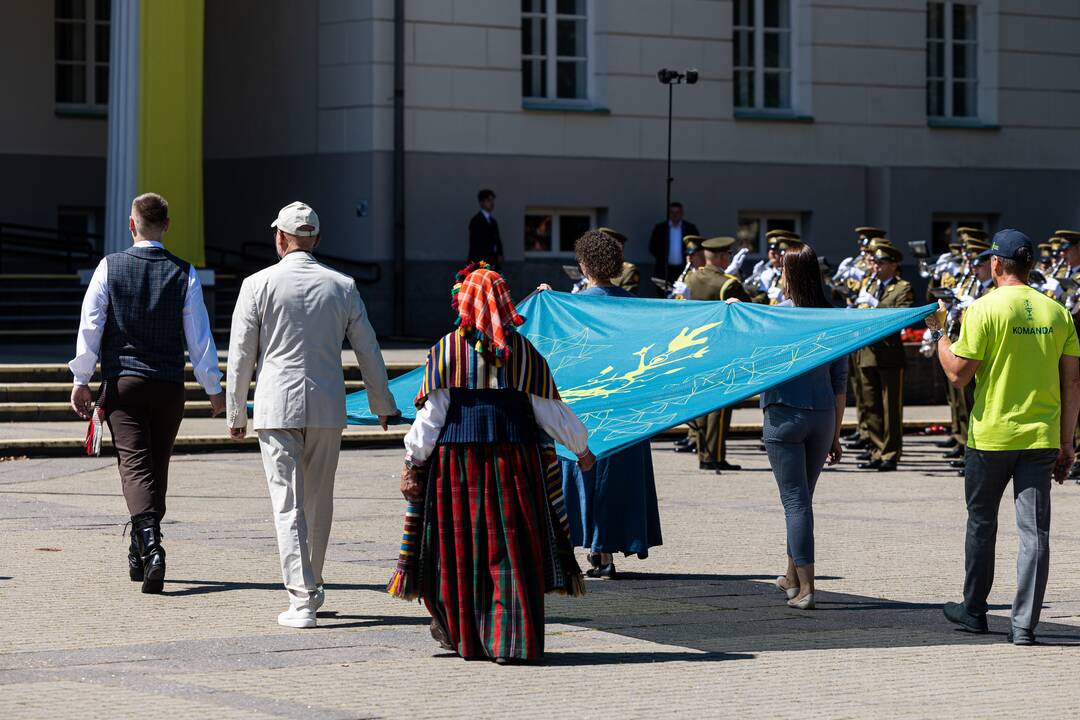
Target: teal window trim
{"x": 553, "y": 106}
{"x": 765, "y": 115}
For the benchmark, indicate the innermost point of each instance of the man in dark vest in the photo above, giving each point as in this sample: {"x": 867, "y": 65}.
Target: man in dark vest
{"x": 142, "y": 308}
{"x": 484, "y": 241}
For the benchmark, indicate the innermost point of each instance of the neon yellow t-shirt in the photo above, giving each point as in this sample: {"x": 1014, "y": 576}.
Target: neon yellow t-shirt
{"x": 1019, "y": 335}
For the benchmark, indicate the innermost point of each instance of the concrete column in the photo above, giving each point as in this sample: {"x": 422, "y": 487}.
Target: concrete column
{"x": 122, "y": 162}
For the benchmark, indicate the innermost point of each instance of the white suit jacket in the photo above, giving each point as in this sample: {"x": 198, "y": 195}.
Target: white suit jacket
{"x": 290, "y": 318}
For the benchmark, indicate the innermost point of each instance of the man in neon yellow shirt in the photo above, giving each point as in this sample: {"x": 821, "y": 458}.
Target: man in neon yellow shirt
{"x": 1021, "y": 348}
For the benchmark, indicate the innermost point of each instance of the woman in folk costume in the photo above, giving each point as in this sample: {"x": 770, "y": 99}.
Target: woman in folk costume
{"x": 493, "y": 537}
{"x": 611, "y": 508}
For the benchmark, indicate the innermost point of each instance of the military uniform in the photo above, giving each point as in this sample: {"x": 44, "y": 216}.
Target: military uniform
{"x": 881, "y": 367}
{"x": 629, "y": 278}
{"x": 868, "y": 237}
{"x": 962, "y": 400}
{"x": 1066, "y": 239}
{"x": 712, "y": 283}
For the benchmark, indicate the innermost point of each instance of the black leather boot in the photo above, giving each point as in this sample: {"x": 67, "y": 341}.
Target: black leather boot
{"x": 135, "y": 568}
{"x": 147, "y": 530}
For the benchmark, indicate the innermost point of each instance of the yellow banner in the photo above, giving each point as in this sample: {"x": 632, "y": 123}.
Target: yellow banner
{"x": 170, "y": 118}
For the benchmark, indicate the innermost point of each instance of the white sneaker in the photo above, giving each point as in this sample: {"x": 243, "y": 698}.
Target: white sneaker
{"x": 297, "y": 618}
{"x": 318, "y": 598}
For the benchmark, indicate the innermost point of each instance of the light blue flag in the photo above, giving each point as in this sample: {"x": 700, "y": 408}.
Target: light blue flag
{"x": 632, "y": 368}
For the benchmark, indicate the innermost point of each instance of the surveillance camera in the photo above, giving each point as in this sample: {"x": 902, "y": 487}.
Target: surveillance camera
{"x": 666, "y": 76}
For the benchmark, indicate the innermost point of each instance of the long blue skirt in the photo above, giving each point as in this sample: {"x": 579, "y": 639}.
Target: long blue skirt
{"x": 612, "y": 508}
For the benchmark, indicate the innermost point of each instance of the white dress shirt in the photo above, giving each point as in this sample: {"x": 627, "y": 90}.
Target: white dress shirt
{"x": 95, "y": 308}
{"x": 553, "y": 416}
{"x": 675, "y": 244}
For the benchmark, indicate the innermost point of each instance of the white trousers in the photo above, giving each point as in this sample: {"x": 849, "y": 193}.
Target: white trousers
{"x": 300, "y": 467}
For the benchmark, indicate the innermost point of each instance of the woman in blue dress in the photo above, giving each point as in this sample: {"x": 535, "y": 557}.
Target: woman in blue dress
{"x": 611, "y": 508}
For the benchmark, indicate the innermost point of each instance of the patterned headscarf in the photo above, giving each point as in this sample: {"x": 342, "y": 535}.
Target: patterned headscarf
{"x": 485, "y": 311}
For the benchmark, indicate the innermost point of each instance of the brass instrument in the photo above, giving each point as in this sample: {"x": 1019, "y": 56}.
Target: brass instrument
{"x": 682, "y": 276}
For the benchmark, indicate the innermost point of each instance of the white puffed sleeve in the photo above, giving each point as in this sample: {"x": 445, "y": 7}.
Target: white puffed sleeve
{"x": 560, "y": 422}
{"x": 421, "y": 438}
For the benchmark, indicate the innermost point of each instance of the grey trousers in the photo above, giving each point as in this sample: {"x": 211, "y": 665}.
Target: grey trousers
{"x": 798, "y": 441}
{"x": 986, "y": 474}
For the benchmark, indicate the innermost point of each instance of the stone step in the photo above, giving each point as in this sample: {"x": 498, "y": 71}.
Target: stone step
{"x": 61, "y": 391}
{"x": 209, "y": 435}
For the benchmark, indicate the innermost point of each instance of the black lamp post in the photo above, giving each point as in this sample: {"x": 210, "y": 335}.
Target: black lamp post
{"x": 671, "y": 78}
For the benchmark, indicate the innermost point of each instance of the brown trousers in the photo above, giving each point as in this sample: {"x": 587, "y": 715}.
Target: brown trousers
{"x": 884, "y": 388}
{"x": 712, "y": 435}
{"x": 144, "y": 417}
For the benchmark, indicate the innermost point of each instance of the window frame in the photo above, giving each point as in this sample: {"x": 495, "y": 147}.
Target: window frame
{"x": 959, "y": 220}
{"x": 948, "y": 78}
{"x": 90, "y": 63}
{"x": 556, "y": 233}
{"x": 550, "y": 58}
{"x": 758, "y": 71}
{"x": 762, "y": 217}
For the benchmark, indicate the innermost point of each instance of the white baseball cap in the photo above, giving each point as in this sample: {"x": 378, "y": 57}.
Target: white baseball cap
{"x": 296, "y": 215}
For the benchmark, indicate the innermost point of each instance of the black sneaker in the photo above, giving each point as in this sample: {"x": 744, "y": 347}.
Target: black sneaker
{"x": 1021, "y": 636}
{"x": 958, "y": 614}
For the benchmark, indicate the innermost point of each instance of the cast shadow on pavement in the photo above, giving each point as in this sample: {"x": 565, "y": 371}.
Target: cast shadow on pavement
{"x": 202, "y": 587}
{"x": 741, "y": 614}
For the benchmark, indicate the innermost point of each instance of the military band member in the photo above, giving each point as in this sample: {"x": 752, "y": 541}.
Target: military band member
{"x": 857, "y": 283}
{"x": 629, "y": 278}
{"x": 711, "y": 282}
{"x": 1045, "y": 259}
{"x": 695, "y": 258}
{"x": 882, "y": 364}
{"x": 1069, "y": 251}
{"x": 760, "y": 282}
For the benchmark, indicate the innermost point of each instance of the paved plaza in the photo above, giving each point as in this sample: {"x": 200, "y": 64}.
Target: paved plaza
{"x": 696, "y": 630}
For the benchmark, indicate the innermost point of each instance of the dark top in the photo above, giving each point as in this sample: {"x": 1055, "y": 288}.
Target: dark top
{"x": 813, "y": 390}
{"x": 488, "y": 416}
{"x": 658, "y": 240}
{"x": 484, "y": 241}
{"x": 144, "y": 326}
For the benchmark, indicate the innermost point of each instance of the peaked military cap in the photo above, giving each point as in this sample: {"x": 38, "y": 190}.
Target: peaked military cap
{"x": 871, "y": 232}
{"x": 1067, "y": 238}
{"x": 613, "y": 233}
{"x": 692, "y": 243}
{"x": 717, "y": 244}
{"x": 965, "y": 233}
{"x": 883, "y": 251}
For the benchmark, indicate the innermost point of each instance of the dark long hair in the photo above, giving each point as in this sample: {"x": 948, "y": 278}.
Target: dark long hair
{"x": 802, "y": 278}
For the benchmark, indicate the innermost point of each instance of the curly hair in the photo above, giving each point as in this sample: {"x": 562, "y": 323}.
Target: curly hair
{"x": 600, "y": 254}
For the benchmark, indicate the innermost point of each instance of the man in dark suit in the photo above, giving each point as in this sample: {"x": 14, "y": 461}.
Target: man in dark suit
{"x": 484, "y": 241}
{"x": 666, "y": 243}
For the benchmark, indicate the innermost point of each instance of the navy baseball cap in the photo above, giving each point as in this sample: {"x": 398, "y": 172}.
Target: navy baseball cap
{"x": 1006, "y": 243}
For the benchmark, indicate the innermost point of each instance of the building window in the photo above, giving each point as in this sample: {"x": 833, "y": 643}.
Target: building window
{"x": 763, "y": 54}
{"x": 551, "y": 231}
{"x": 753, "y": 226}
{"x": 79, "y": 226}
{"x": 82, "y": 54}
{"x": 555, "y": 49}
{"x": 943, "y": 229}
{"x": 951, "y": 59}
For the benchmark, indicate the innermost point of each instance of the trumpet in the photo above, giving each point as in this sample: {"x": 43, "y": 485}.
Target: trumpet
{"x": 675, "y": 294}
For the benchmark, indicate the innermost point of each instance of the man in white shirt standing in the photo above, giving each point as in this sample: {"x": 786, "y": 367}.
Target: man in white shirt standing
{"x": 142, "y": 307}
{"x": 291, "y": 319}
{"x": 666, "y": 243}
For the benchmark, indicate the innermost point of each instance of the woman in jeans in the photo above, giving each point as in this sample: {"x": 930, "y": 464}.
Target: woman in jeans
{"x": 802, "y": 432}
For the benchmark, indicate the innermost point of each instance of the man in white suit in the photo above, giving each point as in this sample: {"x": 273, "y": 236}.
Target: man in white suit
{"x": 291, "y": 318}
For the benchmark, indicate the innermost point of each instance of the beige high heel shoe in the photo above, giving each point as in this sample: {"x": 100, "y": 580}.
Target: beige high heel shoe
{"x": 791, "y": 592}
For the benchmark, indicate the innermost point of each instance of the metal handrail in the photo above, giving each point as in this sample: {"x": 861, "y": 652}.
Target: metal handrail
{"x": 370, "y": 272}
{"x": 48, "y": 243}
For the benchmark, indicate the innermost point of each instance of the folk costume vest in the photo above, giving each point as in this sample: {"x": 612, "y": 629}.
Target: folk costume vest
{"x": 489, "y": 399}
{"x": 144, "y": 327}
